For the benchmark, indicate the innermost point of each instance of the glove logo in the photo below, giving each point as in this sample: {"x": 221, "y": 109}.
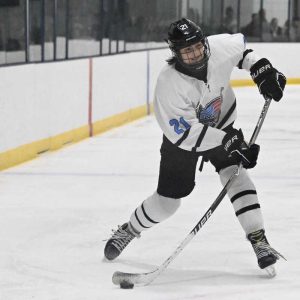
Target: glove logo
{"x": 260, "y": 71}
{"x": 230, "y": 142}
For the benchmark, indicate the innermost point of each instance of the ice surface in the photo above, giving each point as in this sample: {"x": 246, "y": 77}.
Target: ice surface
{"x": 56, "y": 210}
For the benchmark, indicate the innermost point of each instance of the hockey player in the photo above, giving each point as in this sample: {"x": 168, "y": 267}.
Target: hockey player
{"x": 196, "y": 109}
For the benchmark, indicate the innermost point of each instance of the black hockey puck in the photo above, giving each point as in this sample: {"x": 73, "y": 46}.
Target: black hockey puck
{"x": 126, "y": 285}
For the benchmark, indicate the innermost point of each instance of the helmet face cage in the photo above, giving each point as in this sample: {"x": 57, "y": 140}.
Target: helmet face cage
{"x": 185, "y": 33}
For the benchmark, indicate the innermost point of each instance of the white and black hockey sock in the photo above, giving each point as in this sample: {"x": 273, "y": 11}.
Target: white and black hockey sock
{"x": 152, "y": 211}
{"x": 243, "y": 197}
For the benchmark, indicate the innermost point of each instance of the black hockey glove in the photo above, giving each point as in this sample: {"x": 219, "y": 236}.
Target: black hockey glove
{"x": 238, "y": 151}
{"x": 270, "y": 82}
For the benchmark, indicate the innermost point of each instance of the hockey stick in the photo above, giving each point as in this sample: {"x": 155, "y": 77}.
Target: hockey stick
{"x": 128, "y": 280}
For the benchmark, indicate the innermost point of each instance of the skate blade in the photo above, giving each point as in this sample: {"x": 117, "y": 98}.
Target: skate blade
{"x": 271, "y": 271}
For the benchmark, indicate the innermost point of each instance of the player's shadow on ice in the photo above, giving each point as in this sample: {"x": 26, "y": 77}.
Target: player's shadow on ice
{"x": 193, "y": 276}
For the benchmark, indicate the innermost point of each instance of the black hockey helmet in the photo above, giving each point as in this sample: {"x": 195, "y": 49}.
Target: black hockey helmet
{"x": 184, "y": 33}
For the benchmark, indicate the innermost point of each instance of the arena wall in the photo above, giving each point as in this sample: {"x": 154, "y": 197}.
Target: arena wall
{"x": 45, "y": 106}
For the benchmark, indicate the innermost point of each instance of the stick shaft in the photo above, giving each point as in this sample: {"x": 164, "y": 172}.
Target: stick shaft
{"x": 260, "y": 121}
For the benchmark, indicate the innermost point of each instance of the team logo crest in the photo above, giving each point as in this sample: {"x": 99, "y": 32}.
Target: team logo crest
{"x": 210, "y": 114}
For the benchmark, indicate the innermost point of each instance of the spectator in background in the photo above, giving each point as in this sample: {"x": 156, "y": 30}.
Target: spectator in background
{"x": 194, "y": 14}
{"x": 275, "y": 29}
{"x": 287, "y": 31}
{"x": 258, "y": 27}
{"x": 1, "y": 40}
{"x": 253, "y": 28}
{"x": 296, "y": 28}
{"x": 264, "y": 26}
{"x": 12, "y": 45}
{"x": 229, "y": 23}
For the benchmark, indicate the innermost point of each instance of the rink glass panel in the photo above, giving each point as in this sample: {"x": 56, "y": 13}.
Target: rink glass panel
{"x": 50, "y": 30}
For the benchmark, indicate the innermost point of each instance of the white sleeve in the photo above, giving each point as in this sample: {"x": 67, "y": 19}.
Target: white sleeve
{"x": 236, "y": 47}
{"x": 177, "y": 118}
{"x": 233, "y": 47}
{"x": 229, "y": 47}
{"x": 249, "y": 58}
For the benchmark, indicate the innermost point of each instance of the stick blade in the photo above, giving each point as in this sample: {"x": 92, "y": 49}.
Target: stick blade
{"x": 137, "y": 279}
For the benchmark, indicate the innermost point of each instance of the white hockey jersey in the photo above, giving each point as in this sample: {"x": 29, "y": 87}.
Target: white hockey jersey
{"x": 190, "y": 112}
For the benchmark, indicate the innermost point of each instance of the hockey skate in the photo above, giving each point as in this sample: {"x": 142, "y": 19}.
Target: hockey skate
{"x": 266, "y": 255}
{"x": 119, "y": 241}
